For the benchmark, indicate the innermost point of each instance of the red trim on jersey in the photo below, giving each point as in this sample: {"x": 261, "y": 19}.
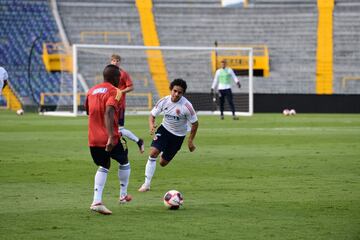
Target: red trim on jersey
{"x": 191, "y": 110}
{"x": 157, "y": 104}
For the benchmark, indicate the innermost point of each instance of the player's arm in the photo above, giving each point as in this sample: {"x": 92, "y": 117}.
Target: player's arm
{"x": 152, "y": 124}
{"x": 127, "y": 89}
{"x": 109, "y": 120}
{"x": 215, "y": 82}
{"x": 128, "y": 82}
{"x": 194, "y": 127}
{"x": 237, "y": 81}
{"x": 87, "y": 105}
{"x": 158, "y": 108}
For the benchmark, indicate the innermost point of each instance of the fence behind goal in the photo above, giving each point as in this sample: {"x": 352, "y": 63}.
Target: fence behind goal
{"x": 151, "y": 70}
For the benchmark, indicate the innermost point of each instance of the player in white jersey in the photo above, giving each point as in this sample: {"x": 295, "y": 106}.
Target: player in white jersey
{"x": 3, "y": 78}
{"x": 178, "y": 113}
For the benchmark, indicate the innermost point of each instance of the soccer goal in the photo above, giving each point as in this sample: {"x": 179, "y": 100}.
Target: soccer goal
{"x": 151, "y": 70}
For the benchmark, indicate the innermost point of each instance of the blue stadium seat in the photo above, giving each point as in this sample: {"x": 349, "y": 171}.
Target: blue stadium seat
{"x": 25, "y": 20}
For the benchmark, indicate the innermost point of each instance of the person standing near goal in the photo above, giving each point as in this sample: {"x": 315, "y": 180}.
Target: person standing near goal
{"x": 178, "y": 113}
{"x": 222, "y": 81}
{"x": 102, "y": 104}
{"x": 125, "y": 85}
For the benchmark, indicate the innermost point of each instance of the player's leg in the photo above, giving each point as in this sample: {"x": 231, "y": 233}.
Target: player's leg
{"x": 130, "y": 135}
{"x": 163, "y": 162}
{"x": 127, "y": 133}
{"x": 150, "y": 169}
{"x": 222, "y": 101}
{"x": 229, "y": 97}
{"x": 159, "y": 143}
{"x": 172, "y": 148}
{"x": 120, "y": 154}
{"x": 101, "y": 159}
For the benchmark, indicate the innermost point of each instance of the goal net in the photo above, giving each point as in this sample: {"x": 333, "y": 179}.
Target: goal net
{"x": 152, "y": 69}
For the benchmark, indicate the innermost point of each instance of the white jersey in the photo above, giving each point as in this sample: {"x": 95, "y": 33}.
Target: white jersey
{"x": 3, "y": 77}
{"x": 176, "y": 114}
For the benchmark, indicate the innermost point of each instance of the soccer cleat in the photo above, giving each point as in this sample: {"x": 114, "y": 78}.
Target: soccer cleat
{"x": 144, "y": 188}
{"x": 140, "y": 144}
{"x": 235, "y": 118}
{"x": 222, "y": 117}
{"x": 125, "y": 199}
{"x": 100, "y": 208}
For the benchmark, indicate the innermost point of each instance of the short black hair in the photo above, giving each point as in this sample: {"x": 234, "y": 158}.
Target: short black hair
{"x": 178, "y": 82}
{"x": 111, "y": 73}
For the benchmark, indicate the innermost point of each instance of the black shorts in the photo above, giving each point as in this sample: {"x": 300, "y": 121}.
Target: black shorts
{"x": 102, "y": 158}
{"x": 122, "y": 117}
{"x": 167, "y": 143}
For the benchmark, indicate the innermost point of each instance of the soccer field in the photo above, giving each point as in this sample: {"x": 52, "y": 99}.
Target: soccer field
{"x": 262, "y": 177}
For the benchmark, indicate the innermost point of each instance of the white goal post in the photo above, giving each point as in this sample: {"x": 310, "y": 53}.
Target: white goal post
{"x": 152, "y": 68}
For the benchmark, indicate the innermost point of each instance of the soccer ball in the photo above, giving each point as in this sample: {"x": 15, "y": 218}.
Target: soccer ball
{"x": 19, "y": 112}
{"x": 173, "y": 199}
{"x": 292, "y": 112}
{"x": 286, "y": 112}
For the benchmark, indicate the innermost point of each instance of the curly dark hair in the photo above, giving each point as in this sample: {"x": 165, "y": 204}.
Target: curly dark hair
{"x": 178, "y": 82}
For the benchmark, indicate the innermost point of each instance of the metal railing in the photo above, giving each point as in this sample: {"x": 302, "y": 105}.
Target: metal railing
{"x": 105, "y": 35}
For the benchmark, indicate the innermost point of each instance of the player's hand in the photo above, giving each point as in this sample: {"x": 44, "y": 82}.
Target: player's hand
{"x": 191, "y": 146}
{"x": 239, "y": 85}
{"x": 213, "y": 95}
{"x": 109, "y": 145}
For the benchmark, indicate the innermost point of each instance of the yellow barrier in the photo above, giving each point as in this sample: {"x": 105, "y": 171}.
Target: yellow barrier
{"x": 105, "y": 35}
{"x": 324, "y": 50}
{"x": 12, "y": 102}
{"x": 56, "y": 57}
{"x": 344, "y": 80}
{"x": 155, "y": 58}
{"x": 239, "y": 60}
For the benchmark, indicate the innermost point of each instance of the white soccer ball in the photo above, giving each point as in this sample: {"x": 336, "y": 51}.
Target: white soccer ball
{"x": 173, "y": 199}
{"x": 20, "y": 112}
{"x": 286, "y": 112}
{"x": 292, "y": 112}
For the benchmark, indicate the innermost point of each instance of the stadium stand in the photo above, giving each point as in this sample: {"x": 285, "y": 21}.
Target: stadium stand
{"x": 290, "y": 37}
{"x": 2, "y": 101}
{"x": 187, "y": 3}
{"x": 287, "y": 27}
{"x": 107, "y": 17}
{"x": 22, "y": 22}
{"x": 346, "y": 47}
{"x": 282, "y": 3}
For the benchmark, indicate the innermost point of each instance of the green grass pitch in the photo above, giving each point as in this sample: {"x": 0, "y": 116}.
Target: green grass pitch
{"x": 262, "y": 177}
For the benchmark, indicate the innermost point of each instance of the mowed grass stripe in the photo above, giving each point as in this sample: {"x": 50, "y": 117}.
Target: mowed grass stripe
{"x": 262, "y": 177}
